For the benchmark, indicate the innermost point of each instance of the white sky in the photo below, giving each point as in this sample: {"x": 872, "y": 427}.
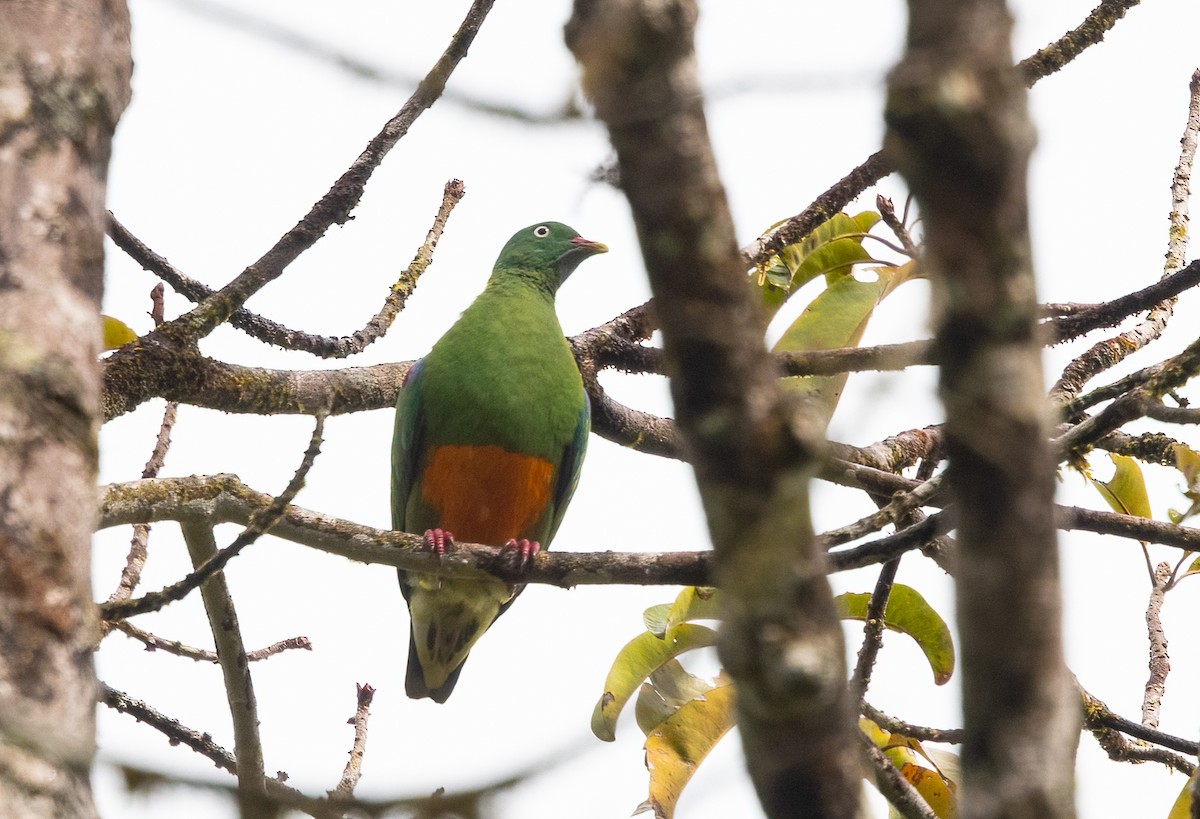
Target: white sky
{"x": 230, "y": 139}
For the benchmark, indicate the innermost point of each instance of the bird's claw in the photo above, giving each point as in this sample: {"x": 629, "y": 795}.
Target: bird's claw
{"x": 524, "y": 551}
{"x": 436, "y": 540}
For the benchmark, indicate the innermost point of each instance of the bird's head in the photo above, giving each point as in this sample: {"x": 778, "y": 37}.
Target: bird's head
{"x": 550, "y": 250}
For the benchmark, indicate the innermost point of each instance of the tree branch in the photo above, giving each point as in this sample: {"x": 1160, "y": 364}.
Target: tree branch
{"x": 959, "y": 131}
{"x": 271, "y": 332}
{"x": 752, "y": 451}
{"x": 130, "y": 368}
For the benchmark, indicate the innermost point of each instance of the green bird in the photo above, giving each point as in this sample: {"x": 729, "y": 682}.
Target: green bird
{"x": 491, "y": 428}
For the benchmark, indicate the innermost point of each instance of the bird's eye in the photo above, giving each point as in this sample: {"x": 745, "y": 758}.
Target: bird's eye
{"x": 541, "y": 231}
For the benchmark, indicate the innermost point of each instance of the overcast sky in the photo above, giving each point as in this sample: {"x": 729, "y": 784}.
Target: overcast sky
{"x": 230, "y": 138}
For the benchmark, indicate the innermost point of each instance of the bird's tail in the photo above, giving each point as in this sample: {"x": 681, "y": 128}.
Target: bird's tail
{"x": 448, "y": 618}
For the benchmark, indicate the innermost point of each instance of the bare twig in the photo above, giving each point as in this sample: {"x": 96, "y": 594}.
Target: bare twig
{"x": 898, "y": 791}
{"x": 155, "y": 643}
{"x": 274, "y": 32}
{"x": 127, "y": 381}
{"x": 951, "y": 736}
{"x": 1051, "y": 58}
{"x": 1098, "y": 715}
{"x": 286, "y": 338}
{"x": 1160, "y": 660}
{"x": 1109, "y": 352}
{"x": 136, "y": 560}
{"x": 353, "y": 770}
{"x": 860, "y": 680}
{"x": 260, "y": 523}
{"x": 175, "y": 731}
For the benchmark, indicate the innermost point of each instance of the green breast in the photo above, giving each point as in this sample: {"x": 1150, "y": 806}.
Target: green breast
{"x": 504, "y": 375}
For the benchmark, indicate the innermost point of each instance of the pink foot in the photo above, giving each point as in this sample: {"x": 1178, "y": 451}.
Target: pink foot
{"x": 525, "y": 550}
{"x": 436, "y": 540}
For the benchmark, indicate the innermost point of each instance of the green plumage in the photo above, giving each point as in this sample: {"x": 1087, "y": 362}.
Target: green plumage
{"x": 491, "y": 428}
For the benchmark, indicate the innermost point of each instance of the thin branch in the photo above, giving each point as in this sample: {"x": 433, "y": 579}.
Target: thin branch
{"x": 1177, "y": 220}
{"x": 1111, "y": 313}
{"x": 1098, "y": 715}
{"x": 897, "y": 790}
{"x": 1172, "y": 373}
{"x": 289, "y": 644}
{"x": 153, "y": 642}
{"x": 271, "y": 332}
{"x": 1109, "y": 352}
{"x": 950, "y": 736}
{"x": 131, "y": 574}
{"x": 128, "y": 373}
{"x": 296, "y": 40}
{"x": 353, "y": 771}
{"x": 239, "y": 688}
{"x": 1160, "y": 660}
{"x": 883, "y": 549}
{"x": 872, "y": 641}
{"x": 175, "y": 731}
{"x": 1172, "y": 415}
{"x": 1051, "y": 58}
{"x": 259, "y": 524}
{"x": 1038, "y": 65}
{"x": 202, "y": 743}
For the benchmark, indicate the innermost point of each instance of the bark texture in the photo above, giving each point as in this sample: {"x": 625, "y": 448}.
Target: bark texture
{"x": 64, "y": 81}
{"x": 752, "y": 451}
{"x": 959, "y": 131}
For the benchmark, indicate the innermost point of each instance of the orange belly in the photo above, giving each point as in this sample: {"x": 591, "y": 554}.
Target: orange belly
{"x": 485, "y": 494}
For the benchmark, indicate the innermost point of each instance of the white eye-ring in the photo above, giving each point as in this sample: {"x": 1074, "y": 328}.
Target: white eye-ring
{"x": 541, "y": 231}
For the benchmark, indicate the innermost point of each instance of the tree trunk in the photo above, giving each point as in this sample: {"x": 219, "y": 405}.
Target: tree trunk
{"x": 64, "y": 81}
{"x": 959, "y": 131}
{"x": 752, "y": 449}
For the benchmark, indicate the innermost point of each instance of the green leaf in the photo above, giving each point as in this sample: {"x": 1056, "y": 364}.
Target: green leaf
{"x": 1126, "y": 492}
{"x": 635, "y": 662}
{"x": 693, "y": 603}
{"x": 678, "y": 745}
{"x": 1193, "y": 568}
{"x": 830, "y": 250}
{"x": 837, "y": 317}
{"x": 670, "y": 687}
{"x": 655, "y": 619}
{"x": 1182, "y": 809}
{"x": 908, "y": 613}
{"x": 116, "y": 333}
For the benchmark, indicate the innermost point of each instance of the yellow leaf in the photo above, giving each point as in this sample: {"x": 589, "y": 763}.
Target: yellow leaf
{"x": 679, "y": 744}
{"x": 1182, "y": 809}
{"x": 116, "y": 333}
{"x": 908, "y": 613}
{"x": 635, "y": 662}
{"x": 1126, "y": 492}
